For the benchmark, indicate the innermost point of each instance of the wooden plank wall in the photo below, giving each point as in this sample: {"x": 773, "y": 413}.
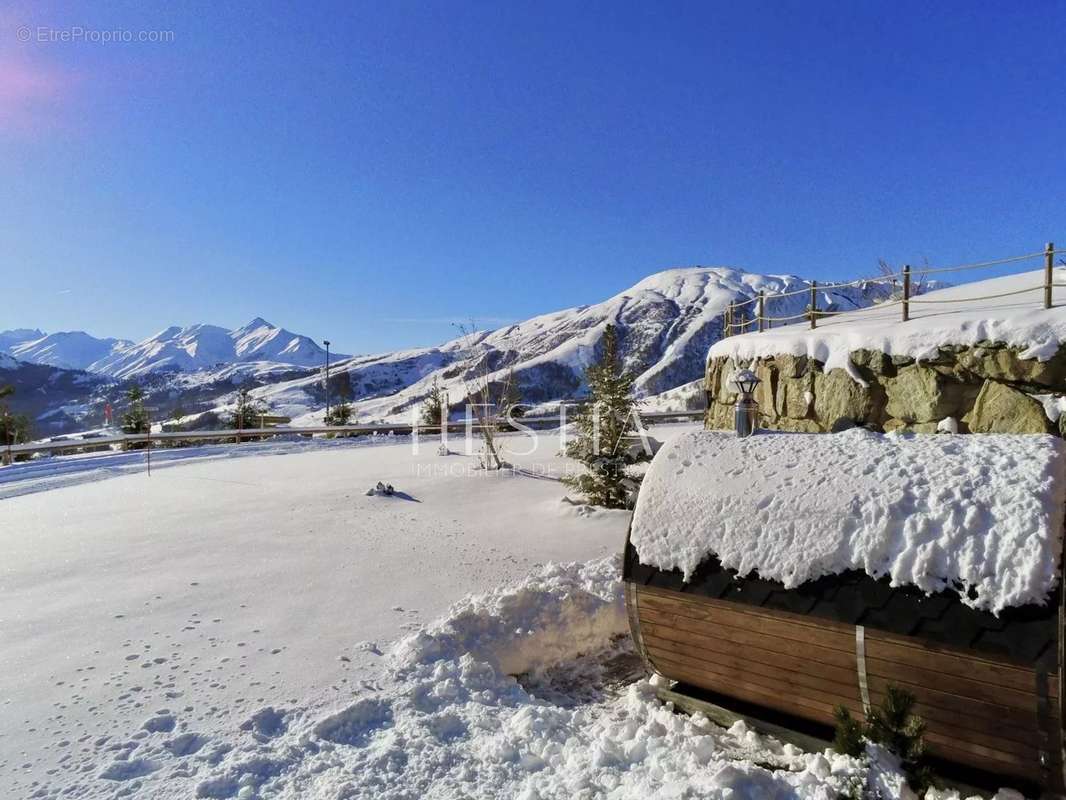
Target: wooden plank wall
{"x": 979, "y": 711}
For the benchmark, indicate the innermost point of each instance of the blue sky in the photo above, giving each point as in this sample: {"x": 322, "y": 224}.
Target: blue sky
{"x": 367, "y": 172}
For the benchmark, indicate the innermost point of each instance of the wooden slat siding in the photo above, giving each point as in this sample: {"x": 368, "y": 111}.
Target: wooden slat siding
{"x": 770, "y": 697}
{"x": 921, "y": 653}
{"x": 979, "y": 711}
{"x": 707, "y": 647}
{"x": 717, "y": 632}
{"x": 1022, "y": 743}
{"x": 681, "y": 648}
{"x": 833, "y": 635}
{"x": 947, "y": 745}
{"x": 980, "y": 673}
{"x": 888, "y": 647}
{"x": 982, "y": 701}
{"x": 742, "y": 665}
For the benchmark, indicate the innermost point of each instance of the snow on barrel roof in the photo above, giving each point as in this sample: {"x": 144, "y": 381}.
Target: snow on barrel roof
{"x": 962, "y": 315}
{"x": 981, "y": 514}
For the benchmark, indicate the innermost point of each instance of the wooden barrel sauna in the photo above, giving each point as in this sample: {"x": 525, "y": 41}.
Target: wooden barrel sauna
{"x": 987, "y": 686}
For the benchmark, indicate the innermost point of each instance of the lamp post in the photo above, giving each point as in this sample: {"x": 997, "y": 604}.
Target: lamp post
{"x": 747, "y": 410}
{"x": 326, "y": 343}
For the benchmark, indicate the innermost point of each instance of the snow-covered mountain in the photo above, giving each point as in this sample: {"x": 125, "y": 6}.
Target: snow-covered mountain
{"x": 260, "y": 346}
{"x": 9, "y": 339}
{"x": 200, "y": 347}
{"x": 66, "y": 349}
{"x": 665, "y": 323}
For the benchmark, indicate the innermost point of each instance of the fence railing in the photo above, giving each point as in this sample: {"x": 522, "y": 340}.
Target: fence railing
{"x": 148, "y": 441}
{"x": 739, "y": 319}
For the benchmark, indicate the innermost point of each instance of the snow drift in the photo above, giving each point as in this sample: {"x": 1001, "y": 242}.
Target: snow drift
{"x": 981, "y": 514}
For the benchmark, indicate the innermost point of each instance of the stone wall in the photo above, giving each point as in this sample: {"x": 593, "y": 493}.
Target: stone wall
{"x": 986, "y": 389}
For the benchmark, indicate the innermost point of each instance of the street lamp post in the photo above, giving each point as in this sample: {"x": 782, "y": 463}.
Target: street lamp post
{"x": 747, "y": 410}
{"x": 326, "y": 343}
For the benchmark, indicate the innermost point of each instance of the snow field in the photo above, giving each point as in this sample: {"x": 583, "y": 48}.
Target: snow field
{"x": 222, "y": 584}
{"x": 259, "y": 628}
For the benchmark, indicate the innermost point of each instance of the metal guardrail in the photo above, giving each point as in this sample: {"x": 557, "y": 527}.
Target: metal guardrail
{"x": 148, "y": 440}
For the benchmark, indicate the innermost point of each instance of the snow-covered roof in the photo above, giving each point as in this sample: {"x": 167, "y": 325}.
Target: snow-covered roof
{"x": 981, "y": 514}
{"x": 962, "y": 315}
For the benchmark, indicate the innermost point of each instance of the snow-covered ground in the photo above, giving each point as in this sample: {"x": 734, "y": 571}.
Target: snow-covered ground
{"x": 247, "y": 622}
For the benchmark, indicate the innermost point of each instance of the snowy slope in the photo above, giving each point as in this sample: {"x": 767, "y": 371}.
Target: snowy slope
{"x": 967, "y": 314}
{"x": 982, "y": 515}
{"x": 665, "y": 324}
{"x": 67, "y": 349}
{"x": 200, "y": 347}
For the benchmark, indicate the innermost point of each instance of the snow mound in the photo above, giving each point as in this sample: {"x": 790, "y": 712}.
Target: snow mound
{"x": 450, "y": 723}
{"x": 555, "y": 614}
{"x": 981, "y": 514}
{"x": 965, "y": 315}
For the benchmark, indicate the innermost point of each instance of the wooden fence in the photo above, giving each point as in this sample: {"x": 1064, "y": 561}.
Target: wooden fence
{"x": 738, "y": 320}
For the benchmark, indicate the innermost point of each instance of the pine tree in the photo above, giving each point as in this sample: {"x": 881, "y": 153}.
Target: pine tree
{"x": 894, "y": 726}
{"x": 135, "y": 419}
{"x": 248, "y": 411}
{"x": 848, "y": 739}
{"x": 340, "y": 414}
{"x": 604, "y": 425}
{"x": 14, "y": 428}
{"x": 433, "y": 405}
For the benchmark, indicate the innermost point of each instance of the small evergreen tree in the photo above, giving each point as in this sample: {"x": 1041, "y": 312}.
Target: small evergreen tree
{"x": 848, "y": 739}
{"x": 135, "y": 418}
{"x": 248, "y": 411}
{"x": 14, "y": 428}
{"x": 340, "y": 414}
{"x": 603, "y": 426}
{"x": 894, "y": 726}
{"x": 177, "y": 412}
{"x": 432, "y": 405}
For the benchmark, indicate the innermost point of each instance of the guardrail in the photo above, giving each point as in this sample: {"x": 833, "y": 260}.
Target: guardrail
{"x": 737, "y": 319}
{"x": 237, "y": 436}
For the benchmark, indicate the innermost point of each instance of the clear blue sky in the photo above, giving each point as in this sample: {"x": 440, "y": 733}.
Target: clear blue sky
{"x": 368, "y": 171}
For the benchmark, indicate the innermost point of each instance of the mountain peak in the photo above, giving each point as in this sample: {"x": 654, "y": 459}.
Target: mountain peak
{"x": 258, "y": 322}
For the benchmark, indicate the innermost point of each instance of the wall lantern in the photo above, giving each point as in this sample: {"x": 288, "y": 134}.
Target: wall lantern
{"x": 747, "y": 410}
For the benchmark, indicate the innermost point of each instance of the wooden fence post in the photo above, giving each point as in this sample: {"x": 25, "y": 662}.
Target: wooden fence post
{"x": 906, "y": 292}
{"x": 1049, "y": 263}
{"x": 762, "y": 309}
{"x": 814, "y": 304}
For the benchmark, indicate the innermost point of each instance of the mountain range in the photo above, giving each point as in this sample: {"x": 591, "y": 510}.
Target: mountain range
{"x": 197, "y": 347}
{"x": 665, "y": 325}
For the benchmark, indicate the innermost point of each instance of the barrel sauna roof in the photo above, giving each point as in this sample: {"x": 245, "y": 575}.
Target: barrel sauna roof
{"x": 980, "y": 515}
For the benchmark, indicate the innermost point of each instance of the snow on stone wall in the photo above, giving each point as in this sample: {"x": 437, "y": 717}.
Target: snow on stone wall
{"x": 992, "y": 364}
{"x": 979, "y": 514}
